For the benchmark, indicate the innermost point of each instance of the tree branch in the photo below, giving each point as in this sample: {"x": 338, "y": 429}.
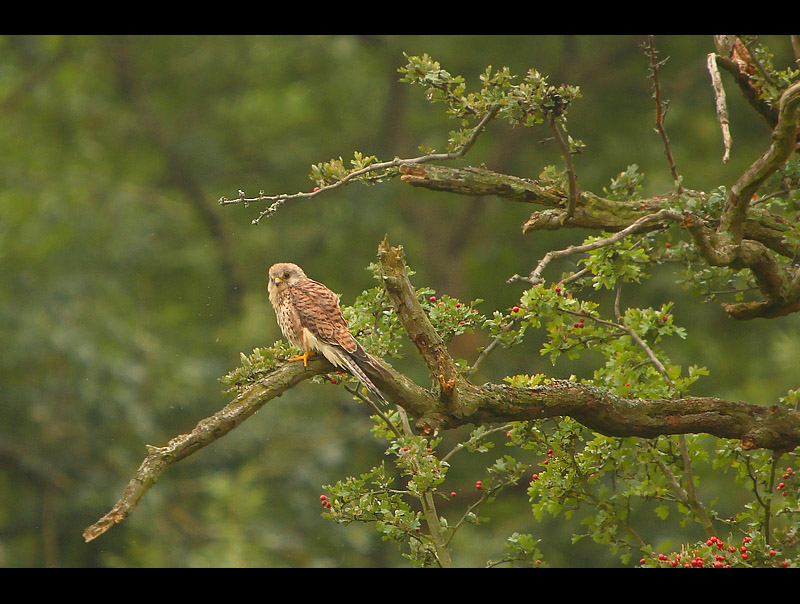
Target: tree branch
{"x": 572, "y": 178}
{"x": 784, "y": 139}
{"x": 721, "y": 105}
{"x": 661, "y": 106}
{"x": 756, "y": 426}
{"x": 415, "y": 322}
{"x": 158, "y": 459}
{"x": 762, "y": 230}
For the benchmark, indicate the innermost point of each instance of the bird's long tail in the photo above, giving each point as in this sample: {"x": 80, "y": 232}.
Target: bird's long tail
{"x": 358, "y": 363}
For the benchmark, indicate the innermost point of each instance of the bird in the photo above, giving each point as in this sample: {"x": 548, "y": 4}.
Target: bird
{"x": 309, "y": 316}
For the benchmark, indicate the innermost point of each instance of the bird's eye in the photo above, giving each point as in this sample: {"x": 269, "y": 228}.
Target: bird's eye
{"x": 286, "y": 275}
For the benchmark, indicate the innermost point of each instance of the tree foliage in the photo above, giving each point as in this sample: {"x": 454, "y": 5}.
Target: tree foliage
{"x": 610, "y": 446}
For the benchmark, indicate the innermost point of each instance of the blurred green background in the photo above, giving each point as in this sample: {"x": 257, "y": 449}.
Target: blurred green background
{"x": 127, "y": 291}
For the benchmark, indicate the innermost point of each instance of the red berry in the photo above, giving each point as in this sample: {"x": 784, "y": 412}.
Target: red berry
{"x": 322, "y": 497}
{"x": 452, "y": 494}
{"x": 316, "y": 189}
{"x": 458, "y": 304}
{"x": 668, "y": 244}
{"x": 780, "y": 486}
{"x": 785, "y": 563}
{"x": 772, "y": 552}
{"x": 662, "y": 557}
{"x": 717, "y": 564}
{"x": 744, "y": 556}
{"x": 478, "y": 485}
{"x": 515, "y": 309}
{"x": 558, "y": 290}
{"x": 433, "y": 298}
{"x": 333, "y": 380}
{"x": 535, "y": 477}
{"x": 461, "y": 322}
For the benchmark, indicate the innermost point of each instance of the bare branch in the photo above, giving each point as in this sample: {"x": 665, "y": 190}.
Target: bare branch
{"x": 278, "y": 200}
{"x": 652, "y": 53}
{"x": 721, "y": 105}
{"x": 536, "y": 274}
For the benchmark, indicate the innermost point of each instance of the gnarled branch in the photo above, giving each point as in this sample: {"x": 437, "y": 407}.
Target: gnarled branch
{"x": 466, "y": 403}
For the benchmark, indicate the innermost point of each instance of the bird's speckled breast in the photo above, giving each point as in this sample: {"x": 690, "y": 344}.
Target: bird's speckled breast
{"x": 288, "y": 320}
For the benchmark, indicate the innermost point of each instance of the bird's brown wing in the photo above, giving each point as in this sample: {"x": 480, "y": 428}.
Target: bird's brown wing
{"x": 318, "y": 310}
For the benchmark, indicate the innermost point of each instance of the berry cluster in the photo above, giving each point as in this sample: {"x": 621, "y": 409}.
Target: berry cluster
{"x": 579, "y": 324}
{"x": 713, "y": 553}
{"x": 786, "y": 476}
{"x": 544, "y": 462}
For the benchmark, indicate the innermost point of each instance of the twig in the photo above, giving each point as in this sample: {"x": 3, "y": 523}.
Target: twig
{"x": 536, "y": 274}
{"x": 462, "y": 445}
{"x": 279, "y": 200}
{"x": 688, "y": 495}
{"x": 429, "y": 510}
{"x": 383, "y": 416}
{"x": 572, "y": 178}
{"x": 652, "y": 53}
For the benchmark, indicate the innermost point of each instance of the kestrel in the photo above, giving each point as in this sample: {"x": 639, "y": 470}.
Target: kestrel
{"x": 310, "y": 318}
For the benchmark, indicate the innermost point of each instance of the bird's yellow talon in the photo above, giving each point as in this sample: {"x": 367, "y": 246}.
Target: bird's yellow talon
{"x": 303, "y": 357}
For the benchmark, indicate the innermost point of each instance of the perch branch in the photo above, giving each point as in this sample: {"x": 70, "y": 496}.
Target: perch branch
{"x": 204, "y": 433}
{"x": 755, "y": 426}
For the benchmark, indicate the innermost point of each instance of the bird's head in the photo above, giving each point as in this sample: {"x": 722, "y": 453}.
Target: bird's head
{"x": 283, "y": 275}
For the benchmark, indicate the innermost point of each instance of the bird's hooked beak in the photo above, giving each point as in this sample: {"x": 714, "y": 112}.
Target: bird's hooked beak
{"x": 277, "y": 280}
